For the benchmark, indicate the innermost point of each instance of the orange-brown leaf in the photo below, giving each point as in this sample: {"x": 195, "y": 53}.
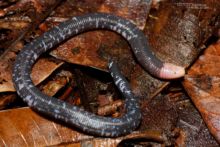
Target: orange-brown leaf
{"x": 202, "y": 83}
{"x": 24, "y": 127}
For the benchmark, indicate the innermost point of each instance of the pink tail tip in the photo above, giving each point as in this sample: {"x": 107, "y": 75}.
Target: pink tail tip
{"x": 171, "y": 71}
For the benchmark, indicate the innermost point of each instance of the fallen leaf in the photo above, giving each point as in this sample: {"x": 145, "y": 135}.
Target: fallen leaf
{"x": 192, "y": 129}
{"x": 30, "y": 129}
{"x": 202, "y": 83}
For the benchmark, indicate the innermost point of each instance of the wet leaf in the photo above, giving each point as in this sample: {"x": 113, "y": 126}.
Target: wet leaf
{"x": 202, "y": 84}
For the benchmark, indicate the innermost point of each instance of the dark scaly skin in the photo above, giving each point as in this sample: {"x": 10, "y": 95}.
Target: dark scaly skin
{"x": 88, "y": 122}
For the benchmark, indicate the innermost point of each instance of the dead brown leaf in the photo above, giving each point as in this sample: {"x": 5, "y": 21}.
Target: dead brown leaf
{"x": 202, "y": 83}
{"x": 30, "y": 129}
{"x": 24, "y": 127}
{"x": 192, "y": 131}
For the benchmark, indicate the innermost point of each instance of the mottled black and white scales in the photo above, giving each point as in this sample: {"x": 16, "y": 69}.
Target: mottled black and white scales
{"x": 88, "y": 122}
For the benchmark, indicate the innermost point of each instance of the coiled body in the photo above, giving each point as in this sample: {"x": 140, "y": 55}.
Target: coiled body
{"x": 88, "y": 122}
